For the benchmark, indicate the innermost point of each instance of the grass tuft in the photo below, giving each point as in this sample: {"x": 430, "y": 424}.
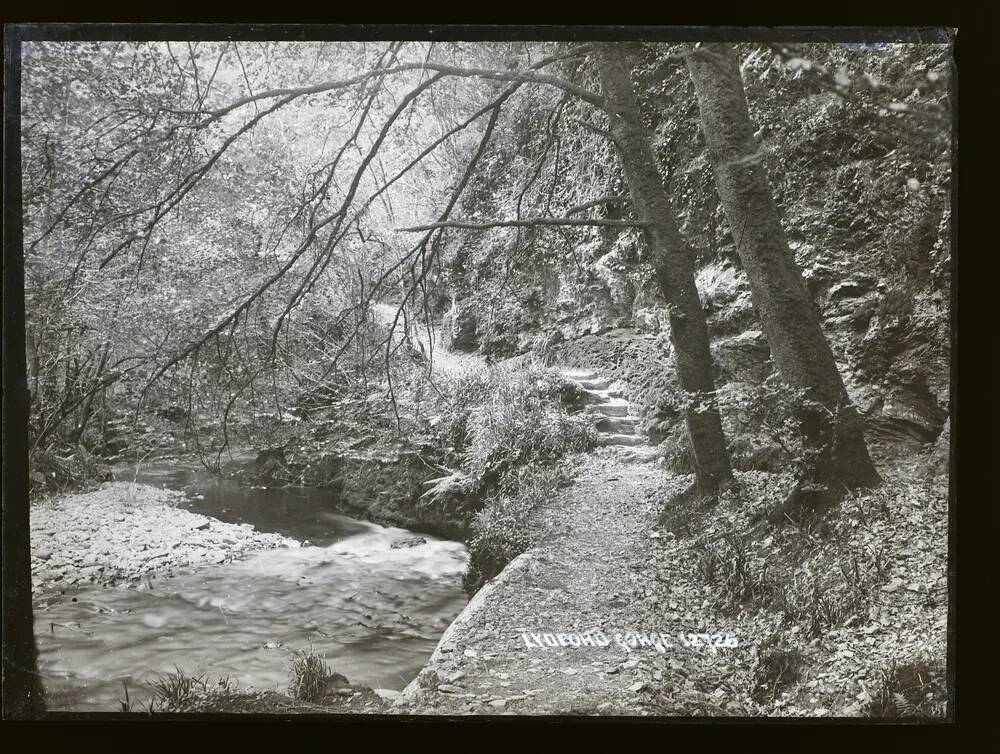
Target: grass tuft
{"x": 178, "y": 690}
{"x": 728, "y": 564}
{"x": 309, "y": 676}
{"x": 839, "y": 597}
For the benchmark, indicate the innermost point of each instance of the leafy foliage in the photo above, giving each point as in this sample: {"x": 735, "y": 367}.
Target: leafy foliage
{"x": 497, "y": 420}
{"x": 504, "y": 528}
{"x": 180, "y": 235}
{"x": 772, "y": 414}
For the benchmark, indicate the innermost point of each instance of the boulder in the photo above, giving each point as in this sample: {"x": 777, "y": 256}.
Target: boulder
{"x": 720, "y": 283}
{"x": 648, "y": 320}
{"x": 743, "y": 358}
{"x": 407, "y": 542}
{"x": 851, "y": 288}
{"x": 460, "y": 328}
{"x": 939, "y": 462}
{"x": 268, "y": 465}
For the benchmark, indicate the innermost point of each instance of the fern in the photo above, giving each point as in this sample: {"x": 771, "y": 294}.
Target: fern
{"x": 904, "y": 708}
{"x": 456, "y": 482}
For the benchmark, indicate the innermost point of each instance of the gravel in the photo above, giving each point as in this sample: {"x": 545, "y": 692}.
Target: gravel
{"x": 123, "y": 532}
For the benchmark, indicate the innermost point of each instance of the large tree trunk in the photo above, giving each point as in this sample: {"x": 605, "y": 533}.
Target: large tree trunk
{"x": 674, "y": 265}
{"x": 22, "y": 688}
{"x": 791, "y": 320}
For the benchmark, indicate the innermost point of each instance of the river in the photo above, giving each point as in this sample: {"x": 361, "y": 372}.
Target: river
{"x": 373, "y": 611}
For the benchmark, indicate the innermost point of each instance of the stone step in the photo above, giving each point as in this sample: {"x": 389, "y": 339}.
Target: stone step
{"x": 628, "y": 440}
{"x": 623, "y": 425}
{"x": 615, "y": 393}
{"x": 612, "y": 409}
{"x": 592, "y": 397}
{"x": 579, "y": 374}
{"x": 637, "y": 454}
{"x": 595, "y": 384}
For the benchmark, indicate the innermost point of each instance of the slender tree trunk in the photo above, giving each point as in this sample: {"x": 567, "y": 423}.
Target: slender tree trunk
{"x": 33, "y": 362}
{"x": 88, "y": 404}
{"x": 22, "y": 689}
{"x": 790, "y": 318}
{"x": 674, "y": 265}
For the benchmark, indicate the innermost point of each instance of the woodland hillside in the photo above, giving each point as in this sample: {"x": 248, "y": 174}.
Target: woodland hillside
{"x": 679, "y": 314}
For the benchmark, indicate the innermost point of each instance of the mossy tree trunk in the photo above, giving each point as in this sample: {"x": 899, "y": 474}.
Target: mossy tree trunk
{"x": 790, "y": 319}
{"x": 674, "y": 264}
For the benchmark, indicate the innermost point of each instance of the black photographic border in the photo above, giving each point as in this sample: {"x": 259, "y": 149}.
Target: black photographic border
{"x": 971, "y": 191}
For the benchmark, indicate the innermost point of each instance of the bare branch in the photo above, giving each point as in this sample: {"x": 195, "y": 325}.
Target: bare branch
{"x": 448, "y": 70}
{"x": 537, "y": 221}
{"x": 413, "y": 254}
{"x": 491, "y": 106}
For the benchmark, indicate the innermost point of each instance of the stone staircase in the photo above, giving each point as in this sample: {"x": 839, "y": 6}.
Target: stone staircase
{"x": 615, "y": 424}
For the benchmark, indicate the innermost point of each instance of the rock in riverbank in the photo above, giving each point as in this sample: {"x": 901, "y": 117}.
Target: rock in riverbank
{"x": 122, "y": 532}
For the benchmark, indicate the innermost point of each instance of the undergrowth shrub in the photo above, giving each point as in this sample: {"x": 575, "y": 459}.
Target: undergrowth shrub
{"x": 492, "y": 424}
{"x": 503, "y": 529}
{"x": 811, "y": 579}
{"x": 680, "y": 518}
{"x": 65, "y": 469}
{"x": 776, "y": 666}
{"x": 520, "y": 422}
{"x": 863, "y": 507}
{"x": 502, "y": 418}
{"x": 178, "y": 689}
{"x": 763, "y": 423}
{"x": 911, "y": 689}
{"x": 675, "y": 450}
{"x": 839, "y": 596}
{"x": 683, "y": 513}
{"x": 747, "y": 452}
{"x": 771, "y": 413}
{"x": 747, "y": 455}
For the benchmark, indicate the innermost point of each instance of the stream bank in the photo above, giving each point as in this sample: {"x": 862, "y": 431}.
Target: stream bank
{"x": 383, "y": 484}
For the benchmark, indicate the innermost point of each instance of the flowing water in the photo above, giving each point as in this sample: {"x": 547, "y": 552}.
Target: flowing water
{"x": 375, "y": 612}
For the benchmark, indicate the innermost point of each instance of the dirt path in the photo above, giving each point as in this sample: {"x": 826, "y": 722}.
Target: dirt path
{"x": 430, "y": 345}
{"x": 598, "y": 569}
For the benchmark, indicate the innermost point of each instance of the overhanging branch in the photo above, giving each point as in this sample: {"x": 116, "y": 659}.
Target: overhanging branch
{"x": 527, "y": 76}
{"x": 537, "y": 221}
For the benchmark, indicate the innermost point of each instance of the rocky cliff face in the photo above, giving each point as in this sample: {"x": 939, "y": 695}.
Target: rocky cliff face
{"x": 865, "y": 205}
{"x": 893, "y": 354}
